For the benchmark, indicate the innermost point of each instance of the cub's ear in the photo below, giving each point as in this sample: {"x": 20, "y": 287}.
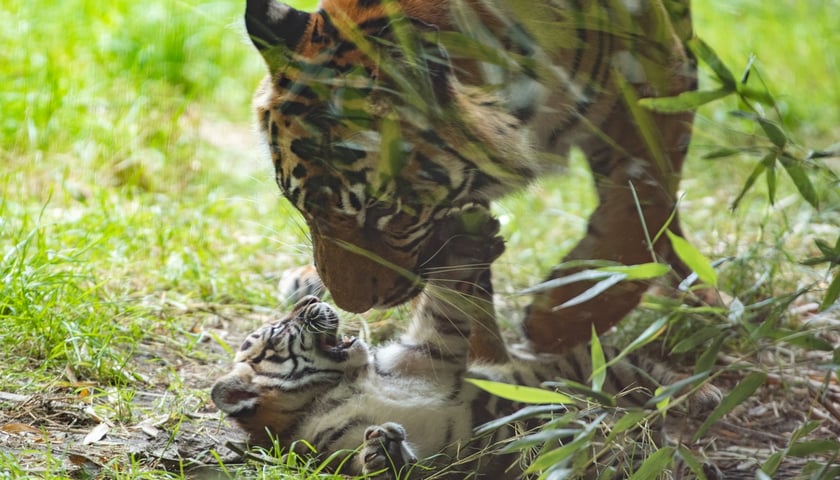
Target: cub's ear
{"x": 273, "y": 24}
{"x": 235, "y": 393}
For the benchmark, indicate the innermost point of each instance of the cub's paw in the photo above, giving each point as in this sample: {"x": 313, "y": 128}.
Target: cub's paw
{"x": 385, "y": 450}
{"x": 300, "y": 282}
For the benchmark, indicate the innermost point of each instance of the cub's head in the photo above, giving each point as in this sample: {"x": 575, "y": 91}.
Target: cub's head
{"x": 374, "y": 140}
{"x": 282, "y": 367}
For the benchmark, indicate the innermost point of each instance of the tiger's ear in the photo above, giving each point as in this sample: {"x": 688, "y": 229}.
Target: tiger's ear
{"x": 273, "y": 24}
{"x": 235, "y": 393}
{"x": 441, "y": 73}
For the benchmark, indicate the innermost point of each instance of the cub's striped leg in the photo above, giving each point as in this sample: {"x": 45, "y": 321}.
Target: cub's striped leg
{"x": 636, "y": 160}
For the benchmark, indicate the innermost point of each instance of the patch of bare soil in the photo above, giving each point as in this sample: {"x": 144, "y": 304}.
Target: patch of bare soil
{"x": 795, "y": 411}
{"x": 162, "y": 422}
{"x": 167, "y": 428}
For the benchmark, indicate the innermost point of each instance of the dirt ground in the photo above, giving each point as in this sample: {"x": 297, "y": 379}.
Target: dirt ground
{"x": 62, "y": 430}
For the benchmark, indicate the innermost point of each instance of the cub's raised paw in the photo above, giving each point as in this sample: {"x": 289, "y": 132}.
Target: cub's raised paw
{"x": 297, "y": 283}
{"x": 386, "y": 450}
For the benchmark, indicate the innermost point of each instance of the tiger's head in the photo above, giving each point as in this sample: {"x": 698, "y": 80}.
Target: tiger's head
{"x": 374, "y": 140}
{"x": 282, "y": 367}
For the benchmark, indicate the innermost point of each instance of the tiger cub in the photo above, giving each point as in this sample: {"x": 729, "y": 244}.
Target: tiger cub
{"x": 408, "y": 399}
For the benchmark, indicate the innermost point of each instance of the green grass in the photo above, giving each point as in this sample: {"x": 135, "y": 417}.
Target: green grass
{"x": 137, "y": 209}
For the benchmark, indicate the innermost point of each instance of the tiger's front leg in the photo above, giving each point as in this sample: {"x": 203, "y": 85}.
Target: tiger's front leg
{"x": 385, "y": 453}
{"x": 636, "y": 159}
{"x": 616, "y": 232}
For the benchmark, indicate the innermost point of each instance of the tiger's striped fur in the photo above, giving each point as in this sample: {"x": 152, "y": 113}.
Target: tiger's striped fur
{"x": 380, "y": 119}
{"x": 405, "y": 400}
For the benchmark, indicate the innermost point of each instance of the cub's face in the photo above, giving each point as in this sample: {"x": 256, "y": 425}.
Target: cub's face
{"x": 362, "y": 160}
{"x": 282, "y": 367}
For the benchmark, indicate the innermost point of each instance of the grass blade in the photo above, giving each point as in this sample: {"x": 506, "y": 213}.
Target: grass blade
{"x": 599, "y": 369}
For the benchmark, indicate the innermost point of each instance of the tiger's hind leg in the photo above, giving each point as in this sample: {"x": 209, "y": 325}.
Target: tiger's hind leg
{"x": 299, "y": 282}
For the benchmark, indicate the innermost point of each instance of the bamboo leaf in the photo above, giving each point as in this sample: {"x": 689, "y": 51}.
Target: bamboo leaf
{"x": 651, "y": 332}
{"x": 593, "y": 291}
{"x": 771, "y": 465}
{"x": 579, "y": 389}
{"x": 642, "y": 271}
{"x": 685, "y": 101}
{"x": 761, "y": 96}
{"x": 599, "y": 370}
{"x": 800, "y": 180}
{"x": 586, "y": 275}
{"x": 539, "y": 438}
{"x": 705, "y": 53}
{"x": 721, "y": 153}
{"x": 814, "y": 447}
{"x": 695, "y": 260}
{"x": 531, "y": 411}
{"x": 676, "y": 388}
{"x": 757, "y": 171}
{"x": 550, "y": 458}
{"x": 709, "y": 356}
{"x": 695, "y": 340}
{"x": 519, "y": 393}
{"x": 832, "y": 293}
{"x": 828, "y": 152}
{"x": 630, "y": 420}
{"x": 773, "y": 132}
{"x": 693, "y": 463}
{"x": 770, "y": 163}
{"x": 655, "y": 464}
{"x": 741, "y": 392}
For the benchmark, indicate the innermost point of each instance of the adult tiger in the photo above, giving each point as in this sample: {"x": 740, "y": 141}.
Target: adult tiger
{"x": 380, "y": 119}
{"x": 407, "y": 400}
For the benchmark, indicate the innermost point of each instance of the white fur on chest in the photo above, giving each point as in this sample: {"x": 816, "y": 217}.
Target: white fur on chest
{"x": 430, "y": 415}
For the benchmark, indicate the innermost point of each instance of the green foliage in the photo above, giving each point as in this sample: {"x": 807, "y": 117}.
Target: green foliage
{"x": 695, "y": 260}
{"x": 830, "y": 255}
{"x": 518, "y": 393}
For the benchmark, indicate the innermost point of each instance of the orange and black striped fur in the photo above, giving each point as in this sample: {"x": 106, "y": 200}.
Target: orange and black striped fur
{"x": 407, "y": 401}
{"x": 382, "y": 115}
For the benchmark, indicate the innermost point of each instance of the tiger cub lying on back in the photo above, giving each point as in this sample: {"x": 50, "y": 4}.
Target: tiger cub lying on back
{"x": 408, "y": 399}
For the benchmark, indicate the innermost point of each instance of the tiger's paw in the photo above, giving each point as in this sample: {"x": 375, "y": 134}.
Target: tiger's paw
{"x": 386, "y": 450}
{"x": 704, "y": 400}
{"x": 467, "y": 236}
{"x": 300, "y": 282}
